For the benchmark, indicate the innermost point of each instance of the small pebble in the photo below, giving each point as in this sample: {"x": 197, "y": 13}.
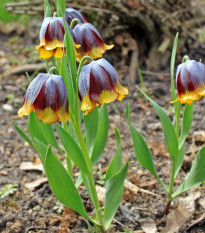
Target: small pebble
{"x": 8, "y": 107}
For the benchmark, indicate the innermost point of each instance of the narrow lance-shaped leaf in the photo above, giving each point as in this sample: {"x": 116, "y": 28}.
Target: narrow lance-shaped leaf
{"x": 168, "y": 128}
{"x": 186, "y": 124}
{"x": 23, "y": 135}
{"x": 102, "y": 134}
{"x": 41, "y": 148}
{"x": 91, "y": 126}
{"x": 179, "y": 160}
{"x": 113, "y": 196}
{"x": 62, "y": 185}
{"x": 72, "y": 149}
{"x": 65, "y": 73}
{"x": 173, "y": 56}
{"x": 70, "y": 54}
{"x": 47, "y": 10}
{"x": 196, "y": 175}
{"x": 35, "y": 129}
{"x": 116, "y": 163}
{"x": 143, "y": 154}
{"x": 48, "y": 132}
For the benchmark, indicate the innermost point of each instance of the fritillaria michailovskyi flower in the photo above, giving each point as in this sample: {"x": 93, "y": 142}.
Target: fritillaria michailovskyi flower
{"x": 190, "y": 81}
{"x": 99, "y": 84}
{"x": 90, "y": 41}
{"x": 47, "y": 96}
{"x": 52, "y": 37}
{"x": 71, "y": 14}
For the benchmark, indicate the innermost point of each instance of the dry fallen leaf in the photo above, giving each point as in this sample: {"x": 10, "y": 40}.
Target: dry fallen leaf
{"x": 31, "y": 166}
{"x": 36, "y": 183}
{"x": 148, "y": 226}
{"x": 176, "y": 219}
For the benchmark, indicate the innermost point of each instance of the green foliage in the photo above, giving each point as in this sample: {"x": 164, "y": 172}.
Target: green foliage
{"x": 91, "y": 126}
{"x": 114, "y": 193}
{"x": 186, "y": 123}
{"x": 168, "y": 128}
{"x": 196, "y": 176}
{"x": 6, "y": 16}
{"x": 115, "y": 177}
{"x": 72, "y": 149}
{"x": 102, "y": 134}
{"x": 7, "y": 189}
{"x": 62, "y": 185}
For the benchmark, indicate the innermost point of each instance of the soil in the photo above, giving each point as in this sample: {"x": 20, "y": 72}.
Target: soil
{"x": 33, "y": 210}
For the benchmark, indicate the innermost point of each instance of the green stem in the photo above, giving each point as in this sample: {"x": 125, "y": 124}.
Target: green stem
{"x": 81, "y": 65}
{"x": 171, "y": 184}
{"x": 68, "y": 160}
{"x": 75, "y": 20}
{"x": 89, "y": 164}
{"x": 52, "y": 69}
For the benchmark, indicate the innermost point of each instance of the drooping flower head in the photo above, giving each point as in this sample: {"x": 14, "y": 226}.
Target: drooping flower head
{"x": 52, "y": 37}
{"x": 190, "y": 81}
{"x": 99, "y": 84}
{"x": 90, "y": 41}
{"x": 71, "y": 14}
{"x": 47, "y": 96}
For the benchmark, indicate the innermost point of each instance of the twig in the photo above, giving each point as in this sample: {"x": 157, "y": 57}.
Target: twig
{"x": 26, "y": 68}
{"x": 202, "y": 218}
{"x": 135, "y": 189}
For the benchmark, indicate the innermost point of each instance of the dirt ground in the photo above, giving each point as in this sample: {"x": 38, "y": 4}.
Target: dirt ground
{"x": 34, "y": 209}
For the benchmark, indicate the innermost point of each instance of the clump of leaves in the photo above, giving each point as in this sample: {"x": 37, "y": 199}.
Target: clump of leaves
{"x": 7, "y": 190}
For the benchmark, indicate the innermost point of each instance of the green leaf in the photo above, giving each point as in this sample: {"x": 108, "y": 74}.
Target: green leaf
{"x": 23, "y": 135}
{"x": 143, "y": 154}
{"x": 60, "y": 6}
{"x": 168, "y": 128}
{"x": 173, "y": 56}
{"x": 72, "y": 149}
{"x": 62, "y": 185}
{"x": 65, "y": 73}
{"x": 41, "y": 148}
{"x": 47, "y": 10}
{"x": 48, "y": 132}
{"x": 34, "y": 128}
{"x": 102, "y": 134}
{"x": 196, "y": 175}
{"x": 70, "y": 53}
{"x": 179, "y": 161}
{"x": 91, "y": 126}
{"x": 116, "y": 163}
{"x": 113, "y": 196}
{"x": 127, "y": 113}
{"x": 41, "y": 131}
{"x": 186, "y": 124}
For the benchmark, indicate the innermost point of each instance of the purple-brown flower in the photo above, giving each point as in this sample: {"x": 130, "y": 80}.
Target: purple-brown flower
{"x": 71, "y": 14}
{"x": 99, "y": 84}
{"x": 52, "y": 37}
{"x": 190, "y": 81}
{"x": 90, "y": 41}
{"x": 47, "y": 96}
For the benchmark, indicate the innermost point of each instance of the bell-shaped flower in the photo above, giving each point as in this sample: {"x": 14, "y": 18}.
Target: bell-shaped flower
{"x": 190, "y": 81}
{"x": 99, "y": 84}
{"x": 90, "y": 41}
{"x": 47, "y": 96}
{"x": 71, "y": 14}
{"x": 52, "y": 37}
